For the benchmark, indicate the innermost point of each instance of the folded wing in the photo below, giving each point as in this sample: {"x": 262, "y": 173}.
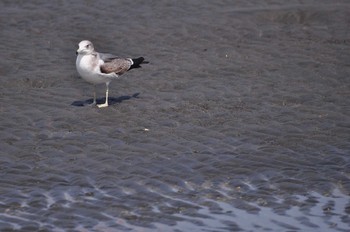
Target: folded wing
{"x": 118, "y": 66}
{"x": 106, "y": 57}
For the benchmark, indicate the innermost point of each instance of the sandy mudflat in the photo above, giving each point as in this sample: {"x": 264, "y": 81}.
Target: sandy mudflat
{"x": 240, "y": 122}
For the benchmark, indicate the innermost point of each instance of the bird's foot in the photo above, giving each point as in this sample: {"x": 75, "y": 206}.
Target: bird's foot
{"x": 102, "y": 105}
{"x": 92, "y": 104}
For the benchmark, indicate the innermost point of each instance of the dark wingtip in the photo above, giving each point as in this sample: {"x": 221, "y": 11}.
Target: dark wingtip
{"x": 138, "y": 61}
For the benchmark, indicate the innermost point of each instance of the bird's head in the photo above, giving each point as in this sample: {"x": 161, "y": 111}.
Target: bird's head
{"x": 85, "y": 48}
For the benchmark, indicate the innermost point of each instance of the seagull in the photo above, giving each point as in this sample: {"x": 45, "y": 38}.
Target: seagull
{"x": 98, "y": 68}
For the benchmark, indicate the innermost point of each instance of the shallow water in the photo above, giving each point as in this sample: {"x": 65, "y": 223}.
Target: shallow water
{"x": 240, "y": 122}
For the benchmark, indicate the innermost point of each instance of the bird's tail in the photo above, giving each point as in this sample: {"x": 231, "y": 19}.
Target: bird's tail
{"x": 137, "y": 62}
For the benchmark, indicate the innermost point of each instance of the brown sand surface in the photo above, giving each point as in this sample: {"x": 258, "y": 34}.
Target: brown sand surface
{"x": 240, "y": 122}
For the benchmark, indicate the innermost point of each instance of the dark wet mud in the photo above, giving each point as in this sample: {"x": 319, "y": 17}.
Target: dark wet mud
{"x": 240, "y": 122}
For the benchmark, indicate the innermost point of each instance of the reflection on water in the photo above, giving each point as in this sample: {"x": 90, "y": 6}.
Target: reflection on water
{"x": 93, "y": 209}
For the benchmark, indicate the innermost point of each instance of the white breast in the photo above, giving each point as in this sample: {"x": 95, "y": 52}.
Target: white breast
{"x": 88, "y": 67}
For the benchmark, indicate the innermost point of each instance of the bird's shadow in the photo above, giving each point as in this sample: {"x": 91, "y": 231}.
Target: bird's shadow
{"x": 111, "y": 100}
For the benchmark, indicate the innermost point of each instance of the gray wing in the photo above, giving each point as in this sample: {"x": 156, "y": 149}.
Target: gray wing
{"x": 107, "y": 57}
{"x": 118, "y": 66}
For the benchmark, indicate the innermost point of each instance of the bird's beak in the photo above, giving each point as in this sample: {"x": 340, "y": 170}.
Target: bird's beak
{"x": 78, "y": 51}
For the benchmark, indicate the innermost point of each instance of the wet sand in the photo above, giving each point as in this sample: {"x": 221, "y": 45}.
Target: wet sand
{"x": 240, "y": 122}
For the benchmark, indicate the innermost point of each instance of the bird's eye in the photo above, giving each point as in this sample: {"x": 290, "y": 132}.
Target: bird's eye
{"x": 87, "y": 46}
